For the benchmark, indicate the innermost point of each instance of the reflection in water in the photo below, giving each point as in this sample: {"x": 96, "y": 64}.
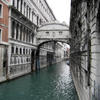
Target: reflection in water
{"x": 51, "y": 83}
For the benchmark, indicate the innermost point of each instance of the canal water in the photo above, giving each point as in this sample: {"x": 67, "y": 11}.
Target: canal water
{"x": 51, "y": 83}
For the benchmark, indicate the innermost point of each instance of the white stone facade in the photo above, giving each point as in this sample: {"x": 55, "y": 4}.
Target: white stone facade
{"x": 25, "y": 16}
{"x": 53, "y": 31}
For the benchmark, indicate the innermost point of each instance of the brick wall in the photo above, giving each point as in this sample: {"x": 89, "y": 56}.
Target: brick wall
{"x": 4, "y": 22}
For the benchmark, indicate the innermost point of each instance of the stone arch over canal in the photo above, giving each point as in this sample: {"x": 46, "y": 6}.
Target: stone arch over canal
{"x": 51, "y": 33}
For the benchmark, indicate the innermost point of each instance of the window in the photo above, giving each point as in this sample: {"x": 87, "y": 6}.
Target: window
{"x": 47, "y": 32}
{"x": 1, "y": 10}
{"x": 16, "y": 50}
{"x": 24, "y": 51}
{"x": 32, "y": 37}
{"x": 29, "y": 12}
{"x": 21, "y": 4}
{"x": 24, "y": 7}
{"x": 17, "y": 27}
{"x": 32, "y": 15}
{"x": 0, "y": 35}
{"x": 17, "y": 4}
{"x": 20, "y": 51}
{"x": 21, "y": 33}
{"x": 12, "y": 50}
{"x": 60, "y": 33}
{"x": 13, "y": 2}
{"x": 13, "y": 28}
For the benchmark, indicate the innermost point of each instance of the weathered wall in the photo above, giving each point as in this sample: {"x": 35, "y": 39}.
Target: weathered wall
{"x": 85, "y": 48}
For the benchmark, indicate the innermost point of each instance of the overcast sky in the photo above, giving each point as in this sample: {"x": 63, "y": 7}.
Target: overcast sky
{"x": 61, "y": 9}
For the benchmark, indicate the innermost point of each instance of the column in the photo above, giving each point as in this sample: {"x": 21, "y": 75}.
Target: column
{"x": 9, "y": 57}
{"x": 9, "y": 26}
{"x": 16, "y": 3}
{"x": 31, "y": 15}
{"x": 22, "y": 7}
{"x": 19, "y": 7}
{"x": 15, "y": 30}
{"x": 19, "y": 28}
{"x": 22, "y": 33}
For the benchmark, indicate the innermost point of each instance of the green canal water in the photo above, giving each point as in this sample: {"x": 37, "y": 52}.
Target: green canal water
{"x": 51, "y": 83}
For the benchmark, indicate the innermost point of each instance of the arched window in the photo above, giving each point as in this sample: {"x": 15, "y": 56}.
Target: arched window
{"x": 12, "y": 50}
{"x": 16, "y": 50}
{"x": 13, "y": 2}
{"x": 17, "y": 28}
{"x": 21, "y": 5}
{"x": 24, "y": 8}
{"x": 24, "y": 51}
{"x": 17, "y": 4}
{"x": 13, "y": 29}
{"x": 20, "y": 51}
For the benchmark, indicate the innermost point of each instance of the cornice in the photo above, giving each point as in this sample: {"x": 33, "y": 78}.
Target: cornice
{"x": 41, "y": 11}
{"x": 50, "y": 9}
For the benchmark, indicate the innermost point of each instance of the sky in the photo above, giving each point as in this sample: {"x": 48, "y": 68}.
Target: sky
{"x": 61, "y": 9}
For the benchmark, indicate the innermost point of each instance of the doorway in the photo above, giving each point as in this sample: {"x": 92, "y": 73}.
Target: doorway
{"x": 32, "y": 60}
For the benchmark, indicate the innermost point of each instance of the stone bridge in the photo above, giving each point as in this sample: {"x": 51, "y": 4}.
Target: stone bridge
{"x": 53, "y": 32}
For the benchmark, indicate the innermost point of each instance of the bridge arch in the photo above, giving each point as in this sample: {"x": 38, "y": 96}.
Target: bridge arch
{"x": 51, "y": 32}
{"x": 39, "y": 48}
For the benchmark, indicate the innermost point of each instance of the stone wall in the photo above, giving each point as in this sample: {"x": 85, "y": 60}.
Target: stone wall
{"x": 85, "y": 48}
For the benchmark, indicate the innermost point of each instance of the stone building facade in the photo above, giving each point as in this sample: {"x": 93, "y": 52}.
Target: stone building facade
{"x": 59, "y": 52}
{"x": 25, "y": 16}
{"x": 3, "y": 38}
{"x": 46, "y": 55}
{"x": 85, "y": 47}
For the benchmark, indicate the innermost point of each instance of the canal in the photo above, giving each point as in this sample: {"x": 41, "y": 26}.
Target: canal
{"x": 51, "y": 83}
